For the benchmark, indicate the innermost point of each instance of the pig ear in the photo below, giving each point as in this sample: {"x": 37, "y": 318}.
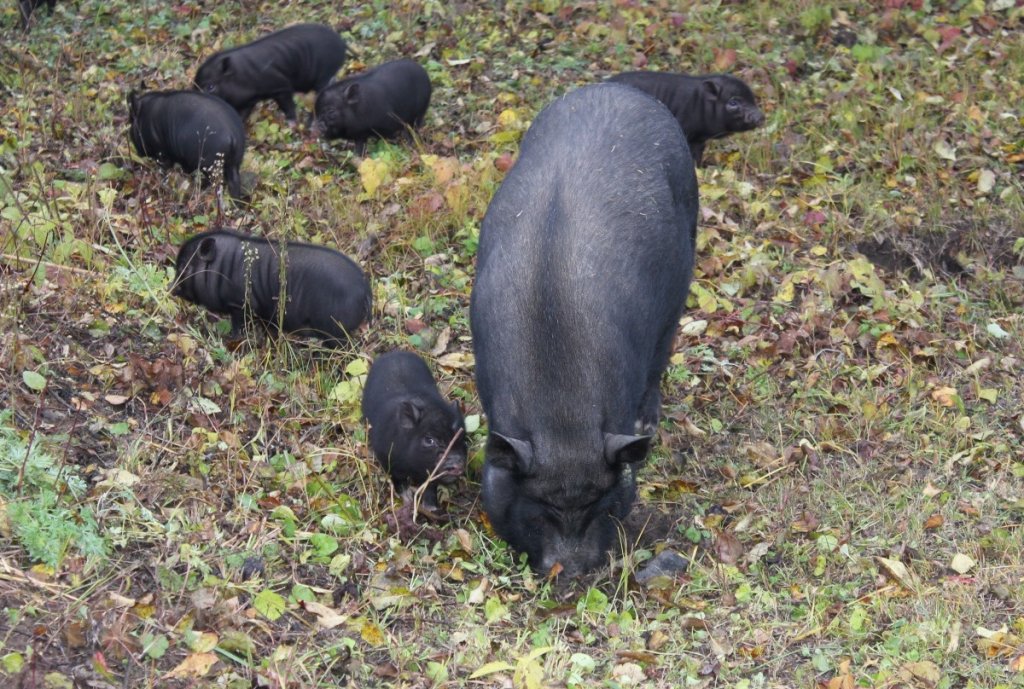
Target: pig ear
{"x": 133, "y": 101}
{"x": 352, "y": 94}
{"x": 511, "y": 454}
{"x": 457, "y": 408}
{"x": 410, "y": 413}
{"x": 207, "y": 249}
{"x": 225, "y": 66}
{"x": 712, "y": 87}
{"x": 625, "y": 449}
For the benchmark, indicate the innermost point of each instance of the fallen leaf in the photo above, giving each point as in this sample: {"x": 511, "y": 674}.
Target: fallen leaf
{"x": 194, "y": 665}
{"x": 945, "y": 396}
{"x": 728, "y": 548}
{"x": 944, "y": 150}
{"x": 961, "y": 564}
{"x": 924, "y": 670}
{"x": 934, "y": 521}
{"x": 326, "y": 617}
{"x": 986, "y": 180}
{"x": 897, "y": 571}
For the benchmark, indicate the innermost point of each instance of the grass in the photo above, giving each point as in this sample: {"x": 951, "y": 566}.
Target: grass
{"x": 842, "y": 455}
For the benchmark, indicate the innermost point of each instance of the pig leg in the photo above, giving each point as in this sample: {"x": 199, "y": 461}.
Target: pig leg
{"x": 697, "y": 151}
{"x": 287, "y": 104}
{"x": 233, "y": 181}
{"x": 649, "y": 412}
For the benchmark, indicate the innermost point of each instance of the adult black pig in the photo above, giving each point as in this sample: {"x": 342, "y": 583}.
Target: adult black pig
{"x": 412, "y": 425}
{"x": 194, "y": 130}
{"x": 300, "y": 58}
{"x": 27, "y": 7}
{"x": 383, "y": 101}
{"x": 584, "y": 263}
{"x": 708, "y": 106}
{"x": 326, "y": 294}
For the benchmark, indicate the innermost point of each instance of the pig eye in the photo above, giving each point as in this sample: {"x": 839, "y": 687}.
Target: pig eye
{"x": 733, "y": 104}
{"x": 211, "y": 88}
{"x": 429, "y": 441}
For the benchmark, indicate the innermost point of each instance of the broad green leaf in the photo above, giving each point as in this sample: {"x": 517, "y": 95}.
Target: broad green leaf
{"x": 269, "y": 604}
{"x": 33, "y": 380}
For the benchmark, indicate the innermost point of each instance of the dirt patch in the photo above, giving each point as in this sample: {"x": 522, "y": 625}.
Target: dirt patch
{"x": 990, "y": 242}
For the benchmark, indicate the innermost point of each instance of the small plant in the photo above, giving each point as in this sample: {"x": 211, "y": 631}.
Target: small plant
{"x": 39, "y": 498}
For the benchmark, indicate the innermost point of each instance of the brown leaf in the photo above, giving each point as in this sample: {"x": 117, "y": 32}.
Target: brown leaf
{"x": 724, "y": 59}
{"x": 728, "y": 548}
{"x": 934, "y": 521}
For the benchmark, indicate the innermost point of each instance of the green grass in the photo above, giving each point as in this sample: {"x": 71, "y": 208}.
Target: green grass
{"x": 843, "y": 413}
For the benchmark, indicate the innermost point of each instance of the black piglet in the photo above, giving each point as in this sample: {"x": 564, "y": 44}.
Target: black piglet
{"x": 412, "y": 426}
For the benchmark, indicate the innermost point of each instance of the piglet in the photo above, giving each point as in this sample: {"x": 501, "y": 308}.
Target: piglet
{"x": 709, "y": 106}
{"x": 300, "y": 58}
{"x": 384, "y": 101}
{"x": 325, "y": 293}
{"x": 194, "y": 130}
{"x": 411, "y": 426}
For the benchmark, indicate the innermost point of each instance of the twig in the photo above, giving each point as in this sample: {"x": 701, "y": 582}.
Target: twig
{"x": 48, "y": 264}
{"x": 418, "y": 495}
{"x": 31, "y": 437}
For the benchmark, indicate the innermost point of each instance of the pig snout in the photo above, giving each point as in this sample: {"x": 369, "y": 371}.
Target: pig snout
{"x": 754, "y": 117}
{"x": 451, "y": 467}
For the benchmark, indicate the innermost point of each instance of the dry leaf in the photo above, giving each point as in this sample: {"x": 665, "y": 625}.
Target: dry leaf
{"x": 961, "y": 564}
{"x": 326, "y": 617}
{"x": 945, "y": 396}
{"x": 897, "y": 571}
{"x": 194, "y": 665}
{"x": 728, "y": 548}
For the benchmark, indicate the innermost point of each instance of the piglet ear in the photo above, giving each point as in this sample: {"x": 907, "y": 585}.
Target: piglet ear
{"x": 225, "y": 66}
{"x": 207, "y": 249}
{"x": 510, "y": 454}
{"x": 133, "y": 101}
{"x": 352, "y": 93}
{"x": 409, "y": 413}
{"x": 712, "y": 87}
{"x": 625, "y": 449}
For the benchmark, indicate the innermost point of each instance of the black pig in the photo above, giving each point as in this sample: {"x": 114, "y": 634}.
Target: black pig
{"x": 197, "y": 131}
{"x": 411, "y": 425}
{"x": 300, "y": 58}
{"x": 326, "y": 294}
{"x": 27, "y": 7}
{"x": 383, "y": 101}
{"x": 709, "y": 106}
{"x": 584, "y": 263}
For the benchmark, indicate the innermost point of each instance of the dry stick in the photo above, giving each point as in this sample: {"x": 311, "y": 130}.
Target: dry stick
{"x": 48, "y": 264}
{"x": 418, "y": 495}
{"x": 31, "y": 438}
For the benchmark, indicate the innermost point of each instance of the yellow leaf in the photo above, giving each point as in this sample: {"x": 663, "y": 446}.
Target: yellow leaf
{"x": 373, "y": 173}
{"x": 204, "y": 642}
{"x": 443, "y": 168}
{"x": 491, "y": 668}
{"x": 372, "y": 634}
{"x": 986, "y": 180}
{"x": 962, "y": 564}
{"x": 194, "y": 665}
{"x": 786, "y": 293}
{"x": 508, "y": 119}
